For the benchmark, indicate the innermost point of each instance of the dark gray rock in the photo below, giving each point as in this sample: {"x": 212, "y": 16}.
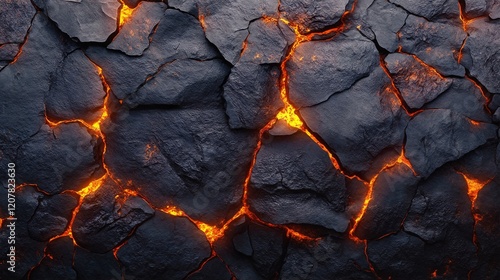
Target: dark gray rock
{"x": 398, "y": 256}
{"x": 226, "y": 22}
{"x": 393, "y": 191}
{"x": 435, "y": 43}
{"x": 15, "y": 20}
{"x": 66, "y": 157}
{"x": 320, "y": 69}
{"x": 328, "y": 258}
{"x": 213, "y": 267}
{"x": 85, "y": 20}
{"x": 29, "y": 79}
{"x": 294, "y": 182}
{"x": 435, "y": 137}
{"x": 76, "y": 91}
{"x": 7, "y": 53}
{"x": 441, "y": 203}
{"x": 188, "y": 6}
{"x": 134, "y": 35}
{"x": 311, "y": 15}
{"x": 189, "y": 158}
{"x": 361, "y": 122}
{"x": 252, "y": 95}
{"x": 52, "y": 216}
{"x": 417, "y": 83}
{"x": 477, "y": 8}
{"x": 182, "y": 83}
{"x": 430, "y": 9}
{"x": 281, "y": 128}
{"x": 481, "y": 53}
{"x": 90, "y": 265}
{"x": 385, "y": 20}
{"x": 27, "y": 199}
{"x": 487, "y": 224}
{"x": 107, "y": 216}
{"x": 132, "y": 3}
{"x": 178, "y": 36}
{"x": 487, "y": 228}
{"x": 462, "y": 97}
{"x": 57, "y": 262}
{"x": 480, "y": 163}
{"x": 251, "y": 250}
{"x": 164, "y": 247}
{"x": 265, "y": 43}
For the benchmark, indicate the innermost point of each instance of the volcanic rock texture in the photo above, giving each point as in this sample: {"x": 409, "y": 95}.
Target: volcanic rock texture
{"x": 251, "y": 139}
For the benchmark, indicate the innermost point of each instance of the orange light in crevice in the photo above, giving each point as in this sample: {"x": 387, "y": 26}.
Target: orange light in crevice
{"x": 107, "y": 89}
{"x": 402, "y": 159}
{"x": 201, "y": 19}
{"x": 462, "y": 16}
{"x": 460, "y": 51}
{"x": 369, "y": 195}
{"x": 474, "y": 123}
{"x": 125, "y": 14}
{"x": 474, "y": 186}
{"x": 91, "y": 188}
{"x": 212, "y": 233}
{"x": 396, "y": 91}
{"x": 478, "y": 86}
{"x": 429, "y": 68}
{"x": 361, "y": 213}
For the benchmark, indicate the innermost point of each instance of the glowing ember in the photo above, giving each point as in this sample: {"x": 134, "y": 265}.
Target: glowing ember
{"x": 125, "y": 14}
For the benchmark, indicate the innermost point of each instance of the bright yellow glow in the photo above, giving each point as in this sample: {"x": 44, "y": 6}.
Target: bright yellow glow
{"x": 125, "y": 14}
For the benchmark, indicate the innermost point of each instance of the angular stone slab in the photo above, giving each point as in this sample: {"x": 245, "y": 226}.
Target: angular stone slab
{"x": 76, "y": 91}
{"x": 417, "y": 83}
{"x": 29, "y": 79}
{"x": 178, "y": 36}
{"x": 52, "y": 216}
{"x": 57, "y": 262}
{"x": 85, "y": 20}
{"x": 90, "y": 265}
{"x": 252, "y": 250}
{"x": 164, "y": 247}
{"x": 359, "y": 123}
{"x": 66, "y": 157}
{"x": 462, "y": 97}
{"x": 188, "y": 158}
{"x": 385, "y": 20}
{"x": 133, "y": 37}
{"x": 322, "y": 68}
{"x": 226, "y": 22}
{"x": 329, "y": 258}
{"x": 441, "y": 202}
{"x": 430, "y": 9}
{"x": 294, "y": 182}
{"x": 435, "y": 137}
{"x": 313, "y": 16}
{"x": 480, "y": 53}
{"x": 435, "y": 43}
{"x": 15, "y": 20}
{"x": 252, "y": 95}
{"x": 107, "y": 216}
{"x": 393, "y": 191}
{"x": 183, "y": 83}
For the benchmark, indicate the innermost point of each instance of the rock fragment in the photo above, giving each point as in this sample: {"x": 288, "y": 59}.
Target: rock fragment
{"x": 107, "y": 216}
{"x": 164, "y": 247}
{"x": 294, "y": 182}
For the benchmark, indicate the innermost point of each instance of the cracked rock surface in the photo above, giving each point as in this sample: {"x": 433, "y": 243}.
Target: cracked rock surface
{"x": 249, "y": 139}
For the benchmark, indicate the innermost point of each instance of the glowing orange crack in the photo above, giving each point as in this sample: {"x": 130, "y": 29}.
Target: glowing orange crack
{"x": 400, "y": 160}
{"x": 125, "y": 14}
{"x": 474, "y": 186}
